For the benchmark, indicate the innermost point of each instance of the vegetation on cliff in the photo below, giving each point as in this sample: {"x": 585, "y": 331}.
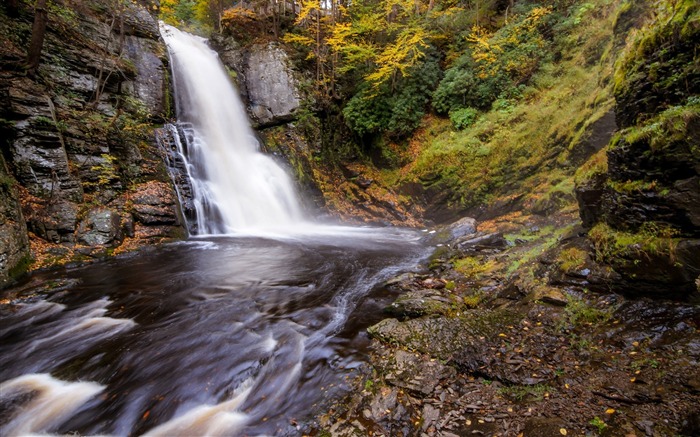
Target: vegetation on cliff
{"x": 77, "y": 128}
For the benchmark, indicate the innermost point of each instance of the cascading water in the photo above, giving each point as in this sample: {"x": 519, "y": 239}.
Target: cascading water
{"x": 234, "y": 187}
{"x": 229, "y": 336}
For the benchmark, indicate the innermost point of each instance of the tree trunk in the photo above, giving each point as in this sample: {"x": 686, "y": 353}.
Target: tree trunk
{"x": 41, "y": 19}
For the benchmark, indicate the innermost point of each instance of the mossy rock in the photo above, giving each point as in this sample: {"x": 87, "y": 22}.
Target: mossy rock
{"x": 662, "y": 66}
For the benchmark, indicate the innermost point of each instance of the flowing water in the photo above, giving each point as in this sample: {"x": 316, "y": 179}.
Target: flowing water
{"x": 235, "y": 188}
{"x": 223, "y": 336}
{"x": 248, "y": 333}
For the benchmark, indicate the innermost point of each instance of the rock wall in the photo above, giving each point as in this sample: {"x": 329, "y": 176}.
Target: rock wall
{"x": 643, "y": 201}
{"x": 80, "y": 131}
{"x": 265, "y": 79}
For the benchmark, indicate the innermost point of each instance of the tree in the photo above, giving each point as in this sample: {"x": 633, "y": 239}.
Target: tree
{"x": 41, "y": 18}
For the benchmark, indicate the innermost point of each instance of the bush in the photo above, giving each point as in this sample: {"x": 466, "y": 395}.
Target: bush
{"x": 395, "y": 110}
{"x": 463, "y": 118}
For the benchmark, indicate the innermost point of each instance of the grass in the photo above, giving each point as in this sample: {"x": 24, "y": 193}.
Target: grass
{"x": 527, "y": 147}
{"x": 571, "y": 259}
{"x": 651, "y": 239}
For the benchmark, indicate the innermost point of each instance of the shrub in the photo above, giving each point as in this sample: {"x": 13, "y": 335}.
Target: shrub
{"x": 463, "y": 118}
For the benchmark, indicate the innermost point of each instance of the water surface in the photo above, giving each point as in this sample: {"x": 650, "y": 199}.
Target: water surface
{"x": 218, "y": 336}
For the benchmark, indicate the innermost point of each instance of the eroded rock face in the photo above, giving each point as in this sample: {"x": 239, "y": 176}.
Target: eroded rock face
{"x": 80, "y": 133}
{"x": 650, "y": 192}
{"x": 272, "y": 90}
{"x": 14, "y": 249}
{"x": 265, "y": 79}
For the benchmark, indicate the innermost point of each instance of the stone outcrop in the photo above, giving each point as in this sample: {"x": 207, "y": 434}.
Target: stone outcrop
{"x": 265, "y": 79}
{"x": 78, "y": 137}
{"x": 643, "y": 200}
{"x": 14, "y": 247}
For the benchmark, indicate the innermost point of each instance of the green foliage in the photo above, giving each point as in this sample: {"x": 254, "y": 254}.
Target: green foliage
{"x": 367, "y": 113}
{"x": 599, "y": 424}
{"x": 461, "y": 87}
{"x": 651, "y": 239}
{"x": 579, "y": 313}
{"x": 463, "y": 118}
{"x": 398, "y": 113}
{"x": 495, "y": 63}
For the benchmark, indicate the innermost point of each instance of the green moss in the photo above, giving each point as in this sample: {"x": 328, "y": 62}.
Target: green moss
{"x": 571, "y": 259}
{"x": 20, "y": 267}
{"x": 579, "y": 313}
{"x": 474, "y": 267}
{"x": 662, "y": 51}
{"x": 596, "y": 166}
{"x": 631, "y": 187}
{"x": 651, "y": 239}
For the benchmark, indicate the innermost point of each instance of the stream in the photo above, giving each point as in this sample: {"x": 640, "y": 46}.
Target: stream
{"x": 212, "y": 336}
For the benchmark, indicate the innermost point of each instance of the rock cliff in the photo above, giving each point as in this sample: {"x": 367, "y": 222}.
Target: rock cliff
{"x": 641, "y": 198}
{"x": 78, "y": 136}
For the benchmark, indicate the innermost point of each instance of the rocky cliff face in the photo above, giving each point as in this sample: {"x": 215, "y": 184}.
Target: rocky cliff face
{"x": 643, "y": 199}
{"x": 79, "y": 140}
{"x": 265, "y": 79}
{"x": 304, "y": 138}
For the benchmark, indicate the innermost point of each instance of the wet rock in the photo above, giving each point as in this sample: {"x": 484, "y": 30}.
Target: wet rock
{"x": 154, "y": 203}
{"x": 139, "y": 22}
{"x": 550, "y": 295}
{"x": 443, "y": 337}
{"x": 430, "y": 415}
{"x": 382, "y": 404}
{"x": 101, "y": 227}
{"x": 14, "y": 247}
{"x": 149, "y": 82}
{"x": 416, "y": 372}
{"x": 691, "y": 424}
{"x": 544, "y": 427}
{"x": 461, "y": 228}
{"x": 53, "y": 220}
{"x": 482, "y": 244}
{"x": 589, "y": 195}
{"x": 419, "y": 303}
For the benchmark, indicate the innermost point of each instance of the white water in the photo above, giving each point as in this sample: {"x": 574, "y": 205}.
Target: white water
{"x": 52, "y": 402}
{"x": 236, "y": 188}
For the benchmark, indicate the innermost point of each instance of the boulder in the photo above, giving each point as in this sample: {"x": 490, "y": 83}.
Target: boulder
{"x": 272, "y": 89}
{"x": 154, "y": 203}
{"x": 101, "y": 227}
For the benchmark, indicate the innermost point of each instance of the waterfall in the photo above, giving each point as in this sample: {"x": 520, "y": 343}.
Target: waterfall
{"x": 232, "y": 186}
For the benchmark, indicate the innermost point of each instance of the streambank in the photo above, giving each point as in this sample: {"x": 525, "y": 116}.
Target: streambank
{"x": 503, "y": 336}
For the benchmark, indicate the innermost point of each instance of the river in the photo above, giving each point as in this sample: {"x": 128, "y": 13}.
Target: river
{"x": 213, "y": 336}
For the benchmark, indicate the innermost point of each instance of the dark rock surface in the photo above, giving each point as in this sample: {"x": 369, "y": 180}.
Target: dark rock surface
{"x": 649, "y": 192}
{"x": 80, "y": 132}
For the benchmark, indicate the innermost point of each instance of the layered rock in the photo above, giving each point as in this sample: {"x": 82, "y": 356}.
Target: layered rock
{"x": 642, "y": 198}
{"x": 80, "y": 133}
{"x": 265, "y": 79}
